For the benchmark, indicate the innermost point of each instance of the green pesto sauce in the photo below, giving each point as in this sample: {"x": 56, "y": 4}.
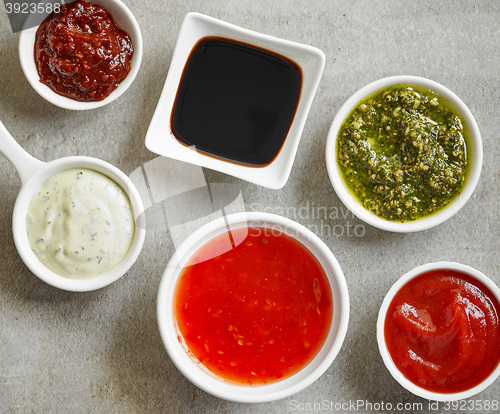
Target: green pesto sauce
{"x": 403, "y": 153}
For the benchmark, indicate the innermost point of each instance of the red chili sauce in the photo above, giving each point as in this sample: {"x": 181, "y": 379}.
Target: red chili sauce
{"x": 81, "y": 53}
{"x": 442, "y": 331}
{"x": 257, "y": 313}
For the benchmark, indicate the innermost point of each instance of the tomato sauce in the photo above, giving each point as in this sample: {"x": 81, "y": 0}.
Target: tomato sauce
{"x": 442, "y": 331}
{"x": 81, "y": 53}
{"x": 257, "y": 313}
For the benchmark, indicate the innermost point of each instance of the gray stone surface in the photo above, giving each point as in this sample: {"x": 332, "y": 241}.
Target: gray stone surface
{"x": 101, "y": 352}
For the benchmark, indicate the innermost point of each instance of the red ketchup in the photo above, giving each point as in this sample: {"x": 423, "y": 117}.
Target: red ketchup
{"x": 81, "y": 53}
{"x": 442, "y": 331}
{"x": 257, "y": 313}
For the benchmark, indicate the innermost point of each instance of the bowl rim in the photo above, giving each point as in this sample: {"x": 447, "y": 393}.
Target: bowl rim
{"x": 21, "y": 241}
{"x": 425, "y": 222}
{"x": 259, "y": 393}
{"x": 195, "y": 26}
{"x": 125, "y": 20}
{"x": 384, "y": 352}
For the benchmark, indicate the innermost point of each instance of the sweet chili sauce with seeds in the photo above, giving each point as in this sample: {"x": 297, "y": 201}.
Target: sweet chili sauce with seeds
{"x": 257, "y": 313}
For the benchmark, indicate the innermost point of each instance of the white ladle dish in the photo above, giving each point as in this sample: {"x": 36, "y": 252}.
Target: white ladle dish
{"x": 34, "y": 173}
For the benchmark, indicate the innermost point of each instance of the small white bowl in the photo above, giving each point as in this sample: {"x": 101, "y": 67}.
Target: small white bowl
{"x": 426, "y": 222}
{"x": 124, "y": 19}
{"x": 34, "y": 173}
{"x": 160, "y": 138}
{"x": 247, "y": 393}
{"x": 384, "y": 352}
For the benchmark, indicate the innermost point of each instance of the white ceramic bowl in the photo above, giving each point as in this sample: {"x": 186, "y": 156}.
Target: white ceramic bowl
{"x": 34, "y": 174}
{"x": 397, "y": 375}
{"x": 262, "y": 393}
{"x": 425, "y": 222}
{"x": 160, "y": 138}
{"x": 124, "y": 19}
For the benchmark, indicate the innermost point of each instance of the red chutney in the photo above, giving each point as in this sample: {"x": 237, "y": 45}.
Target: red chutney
{"x": 257, "y": 313}
{"x": 442, "y": 331}
{"x": 81, "y": 53}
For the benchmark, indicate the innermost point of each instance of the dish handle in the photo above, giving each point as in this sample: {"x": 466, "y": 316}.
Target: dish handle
{"x": 25, "y": 164}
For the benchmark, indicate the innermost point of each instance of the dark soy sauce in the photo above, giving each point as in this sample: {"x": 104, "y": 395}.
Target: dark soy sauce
{"x": 236, "y": 101}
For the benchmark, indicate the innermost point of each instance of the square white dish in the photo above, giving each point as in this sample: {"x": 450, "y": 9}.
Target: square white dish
{"x": 160, "y": 138}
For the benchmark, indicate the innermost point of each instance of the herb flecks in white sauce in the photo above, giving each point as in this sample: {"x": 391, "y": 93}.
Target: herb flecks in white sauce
{"x": 80, "y": 223}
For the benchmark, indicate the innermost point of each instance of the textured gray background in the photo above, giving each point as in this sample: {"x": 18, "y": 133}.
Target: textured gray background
{"x": 101, "y": 352}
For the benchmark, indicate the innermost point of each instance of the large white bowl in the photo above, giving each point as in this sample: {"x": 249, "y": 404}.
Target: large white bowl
{"x": 345, "y": 195}
{"x": 243, "y": 393}
{"x": 160, "y": 138}
{"x": 384, "y": 352}
{"x": 124, "y": 19}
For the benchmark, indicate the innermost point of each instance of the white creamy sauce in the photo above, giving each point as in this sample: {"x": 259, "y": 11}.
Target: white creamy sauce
{"x": 80, "y": 223}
